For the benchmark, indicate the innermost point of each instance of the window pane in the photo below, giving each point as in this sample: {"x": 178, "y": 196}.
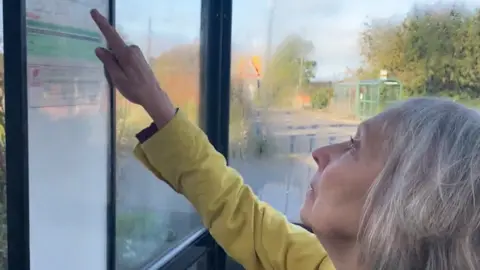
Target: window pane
{"x": 277, "y": 114}
{"x": 201, "y": 264}
{"x": 304, "y": 74}
{"x": 152, "y": 218}
{"x": 68, "y": 136}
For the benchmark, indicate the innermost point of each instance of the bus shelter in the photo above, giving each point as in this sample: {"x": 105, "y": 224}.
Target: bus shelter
{"x": 62, "y": 151}
{"x": 366, "y": 98}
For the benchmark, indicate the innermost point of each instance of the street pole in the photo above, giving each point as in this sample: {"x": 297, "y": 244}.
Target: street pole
{"x": 271, "y": 16}
{"x": 268, "y": 49}
{"x": 301, "y": 73}
{"x": 149, "y": 41}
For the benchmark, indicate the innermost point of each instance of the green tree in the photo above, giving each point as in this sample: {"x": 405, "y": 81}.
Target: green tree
{"x": 288, "y": 71}
{"x": 178, "y": 71}
{"x": 433, "y": 51}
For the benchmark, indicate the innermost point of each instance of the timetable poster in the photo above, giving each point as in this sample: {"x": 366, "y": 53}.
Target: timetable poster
{"x": 62, "y": 67}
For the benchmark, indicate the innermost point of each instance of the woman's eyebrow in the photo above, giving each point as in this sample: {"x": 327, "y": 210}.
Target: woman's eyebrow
{"x": 360, "y": 131}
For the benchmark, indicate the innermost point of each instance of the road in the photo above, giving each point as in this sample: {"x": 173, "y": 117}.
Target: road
{"x": 280, "y": 179}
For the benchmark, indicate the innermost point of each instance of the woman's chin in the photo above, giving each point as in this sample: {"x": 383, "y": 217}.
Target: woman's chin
{"x": 304, "y": 220}
{"x": 305, "y": 211}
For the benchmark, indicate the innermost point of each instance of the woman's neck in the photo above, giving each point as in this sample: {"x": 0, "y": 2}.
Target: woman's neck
{"x": 343, "y": 253}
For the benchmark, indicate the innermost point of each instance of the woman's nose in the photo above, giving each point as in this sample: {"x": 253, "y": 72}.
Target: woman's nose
{"x": 321, "y": 156}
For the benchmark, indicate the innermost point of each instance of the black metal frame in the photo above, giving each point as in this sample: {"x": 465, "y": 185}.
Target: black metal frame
{"x": 215, "y": 58}
{"x": 16, "y": 128}
{"x": 112, "y": 175}
{"x": 201, "y": 247}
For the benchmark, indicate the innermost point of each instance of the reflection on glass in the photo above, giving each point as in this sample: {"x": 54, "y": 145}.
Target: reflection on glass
{"x": 201, "y": 264}
{"x": 305, "y": 74}
{"x": 68, "y": 136}
{"x": 3, "y": 187}
{"x": 151, "y": 217}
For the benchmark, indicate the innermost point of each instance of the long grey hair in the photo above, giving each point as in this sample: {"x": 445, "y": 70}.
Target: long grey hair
{"x": 422, "y": 212}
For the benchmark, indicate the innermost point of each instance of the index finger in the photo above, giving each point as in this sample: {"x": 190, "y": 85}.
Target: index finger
{"x": 114, "y": 40}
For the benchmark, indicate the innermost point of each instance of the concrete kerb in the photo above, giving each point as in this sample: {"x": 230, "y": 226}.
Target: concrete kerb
{"x": 304, "y": 158}
{"x": 331, "y": 116}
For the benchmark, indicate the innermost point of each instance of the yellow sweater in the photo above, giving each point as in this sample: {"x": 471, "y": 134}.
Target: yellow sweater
{"x": 250, "y": 231}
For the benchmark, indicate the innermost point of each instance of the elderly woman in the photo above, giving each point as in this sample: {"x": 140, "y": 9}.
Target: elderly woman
{"x": 402, "y": 193}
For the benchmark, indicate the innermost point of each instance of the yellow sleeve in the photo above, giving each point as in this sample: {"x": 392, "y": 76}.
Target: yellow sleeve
{"x": 249, "y": 230}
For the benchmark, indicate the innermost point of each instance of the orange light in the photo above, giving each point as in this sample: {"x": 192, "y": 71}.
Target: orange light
{"x": 257, "y": 64}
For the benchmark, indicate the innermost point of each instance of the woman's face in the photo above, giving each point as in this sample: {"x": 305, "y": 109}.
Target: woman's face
{"x": 333, "y": 205}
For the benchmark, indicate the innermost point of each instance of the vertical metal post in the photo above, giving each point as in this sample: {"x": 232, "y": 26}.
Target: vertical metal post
{"x": 357, "y": 100}
{"x": 312, "y": 142}
{"x": 292, "y": 144}
{"x": 271, "y": 16}
{"x": 16, "y": 128}
{"x": 112, "y": 163}
{"x": 215, "y": 71}
{"x": 331, "y": 140}
{"x": 149, "y": 42}
{"x": 215, "y": 57}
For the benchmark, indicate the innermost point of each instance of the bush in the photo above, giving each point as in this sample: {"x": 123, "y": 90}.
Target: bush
{"x": 260, "y": 142}
{"x": 3, "y": 219}
{"x": 138, "y": 236}
{"x": 143, "y": 234}
{"x": 321, "y": 97}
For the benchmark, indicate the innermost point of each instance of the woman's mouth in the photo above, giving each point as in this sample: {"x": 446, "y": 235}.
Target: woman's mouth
{"x": 310, "y": 191}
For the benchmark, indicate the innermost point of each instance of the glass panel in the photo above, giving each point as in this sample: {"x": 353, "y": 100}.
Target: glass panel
{"x": 279, "y": 96}
{"x": 152, "y": 218}
{"x": 304, "y": 74}
{"x": 201, "y": 264}
{"x": 3, "y": 198}
{"x": 233, "y": 265}
{"x": 68, "y": 136}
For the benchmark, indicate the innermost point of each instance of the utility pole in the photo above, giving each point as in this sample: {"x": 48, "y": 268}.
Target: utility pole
{"x": 268, "y": 49}
{"x": 301, "y": 73}
{"x": 271, "y": 15}
{"x": 149, "y": 41}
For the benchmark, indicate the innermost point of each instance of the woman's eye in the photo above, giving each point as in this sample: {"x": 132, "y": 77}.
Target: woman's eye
{"x": 352, "y": 146}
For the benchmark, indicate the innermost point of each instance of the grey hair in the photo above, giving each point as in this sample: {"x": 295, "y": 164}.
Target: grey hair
{"x": 422, "y": 210}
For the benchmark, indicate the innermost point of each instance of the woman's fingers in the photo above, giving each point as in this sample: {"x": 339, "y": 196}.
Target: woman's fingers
{"x": 142, "y": 66}
{"x": 126, "y": 55}
{"x": 111, "y": 65}
{"x": 114, "y": 40}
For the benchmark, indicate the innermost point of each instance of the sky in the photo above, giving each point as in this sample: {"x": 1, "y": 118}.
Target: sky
{"x": 332, "y": 26}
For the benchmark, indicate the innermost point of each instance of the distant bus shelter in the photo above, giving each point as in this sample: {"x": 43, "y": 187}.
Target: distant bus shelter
{"x": 363, "y": 99}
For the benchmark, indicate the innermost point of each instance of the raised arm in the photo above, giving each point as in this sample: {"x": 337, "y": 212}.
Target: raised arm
{"x": 252, "y": 232}
{"x": 179, "y": 153}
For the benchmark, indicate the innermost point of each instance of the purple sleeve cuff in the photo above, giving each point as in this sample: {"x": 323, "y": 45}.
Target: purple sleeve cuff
{"x": 148, "y": 132}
